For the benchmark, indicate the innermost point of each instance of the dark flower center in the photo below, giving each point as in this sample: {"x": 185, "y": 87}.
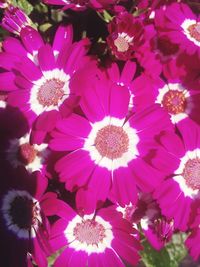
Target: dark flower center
{"x": 194, "y": 31}
{"x": 50, "y": 92}
{"x": 22, "y": 211}
{"x": 112, "y": 142}
{"x": 27, "y": 153}
{"x": 89, "y": 232}
{"x": 174, "y": 101}
{"x": 191, "y": 173}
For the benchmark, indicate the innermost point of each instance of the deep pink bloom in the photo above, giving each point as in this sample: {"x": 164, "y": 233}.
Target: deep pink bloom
{"x": 180, "y": 99}
{"x": 104, "y": 237}
{"x": 39, "y": 75}
{"x": 181, "y": 25}
{"x": 15, "y": 19}
{"x": 106, "y": 143}
{"x": 180, "y": 191}
{"x": 125, "y": 36}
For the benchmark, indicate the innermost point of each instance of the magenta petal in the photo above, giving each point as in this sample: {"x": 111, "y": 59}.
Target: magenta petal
{"x": 46, "y": 58}
{"x": 23, "y": 83}
{"x": 76, "y": 56}
{"x": 123, "y": 189}
{"x": 14, "y": 46}
{"x": 119, "y": 101}
{"x": 54, "y": 206}
{"x": 74, "y": 125}
{"x": 39, "y": 255}
{"x": 63, "y": 259}
{"x": 94, "y": 260}
{"x": 7, "y": 81}
{"x": 100, "y": 183}
{"x": 146, "y": 177}
{"x": 127, "y": 239}
{"x": 29, "y": 70}
{"x": 150, "y": 118}
{"x": 37, "y": 137}
{"x": 190, "y": 132}
{"x": 112, "y": 259}
{"x": 41, "y": 185}
{"x": 63, "y": 36}
{"x": 165, "y": 162}
{"x": 47, "y": 120}
{"x": 63, "y": 142}
{"x": 76, "y": 165}
{"x": 128, "y": 72}
{"x": 7, "y": 60}
{"x": 173, "y": 144}
{"x": 85, "y": 201}
{"x": 31, "y": 39}
{"x": 79, "y": 259}
{"x": 129, "y": 254}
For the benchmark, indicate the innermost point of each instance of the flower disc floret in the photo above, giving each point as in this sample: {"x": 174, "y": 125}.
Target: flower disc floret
{"x": 112, "y": 142}
{"x": 174, "y": 101}
{"x": 51, "y": 92}
{"x": 191, "y": 173}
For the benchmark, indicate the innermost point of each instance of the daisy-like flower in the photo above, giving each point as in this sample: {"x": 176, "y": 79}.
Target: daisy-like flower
{"x": 181, "y": 189}
{"x": 32, "y": 156}
{"x": 125, "y": 35}
{"x": 23, "y": 220}
{"x": 89, "y": 240}
{"x": 15, "y": 19}
{"x": 41, "y": 76}
{"x": 106, "y": 146}
{"x": 180, "y": 99}
{"x": 182, "y": 26}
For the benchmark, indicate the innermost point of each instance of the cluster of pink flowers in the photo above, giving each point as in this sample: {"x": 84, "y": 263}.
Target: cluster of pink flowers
{"x": 100, "y": 138}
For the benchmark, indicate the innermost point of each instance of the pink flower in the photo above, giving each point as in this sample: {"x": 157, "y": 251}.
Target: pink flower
{"x": 180, "y": 99}
{"x": 125, "y": 35}
{"x": 93, "y": 239}
{"x": 106, "y": 143}
{"x": 39, "y": 75}
{"x": 15, "y": 19}
{"x": 180, "y": 191}
{"x": 181, "y": 25}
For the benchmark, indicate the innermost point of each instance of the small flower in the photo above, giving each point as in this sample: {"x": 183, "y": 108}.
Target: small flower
{"x": 90, "y": 239}
{"x": 15, "y": 19}
{"x": 181, "y": 26}
{"x": 40, "y": 75}
{"x": 125, "y": 35}
{"x": 181, "y": 189}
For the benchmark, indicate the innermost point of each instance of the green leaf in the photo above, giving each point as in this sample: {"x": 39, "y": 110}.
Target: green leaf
{"x": 170, "y": 256}
{"x": 23, "y": 4}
